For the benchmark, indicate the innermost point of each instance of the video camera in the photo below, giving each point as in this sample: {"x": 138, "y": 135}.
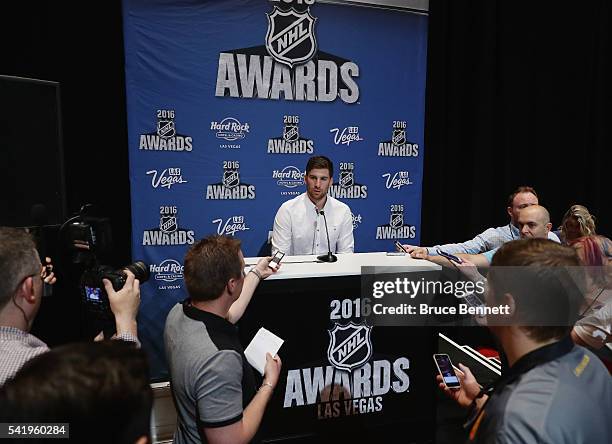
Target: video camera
{"x": 88, "y": 238}
{"x": 92, "y": 287}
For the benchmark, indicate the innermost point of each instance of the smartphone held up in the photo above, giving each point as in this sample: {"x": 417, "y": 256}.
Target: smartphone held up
{"x": 445, "y": 367}
{"x": 278, "y": 256}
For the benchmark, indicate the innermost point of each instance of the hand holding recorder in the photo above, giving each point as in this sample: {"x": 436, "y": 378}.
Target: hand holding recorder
{"x": 263, "y": 269}
{"x": 275, "y": 261}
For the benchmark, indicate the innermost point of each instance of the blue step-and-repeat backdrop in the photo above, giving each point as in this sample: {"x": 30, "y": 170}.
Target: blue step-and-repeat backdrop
{"x": 226, "y": 102}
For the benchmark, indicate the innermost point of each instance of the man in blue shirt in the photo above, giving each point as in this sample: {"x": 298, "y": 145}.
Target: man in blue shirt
{"x": 533, "y": 222}
{"x": 491, "y": 238}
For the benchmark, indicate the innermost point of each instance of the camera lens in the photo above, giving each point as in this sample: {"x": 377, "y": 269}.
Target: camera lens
{"x": 140, "y": 270}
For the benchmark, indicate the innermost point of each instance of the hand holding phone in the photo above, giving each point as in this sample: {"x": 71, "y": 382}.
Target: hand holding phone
{"x": 278, "y": 256}
{"x": 450, "y": 257}
{"x": 400, "y": 247}
{"x": 445, "y": 367}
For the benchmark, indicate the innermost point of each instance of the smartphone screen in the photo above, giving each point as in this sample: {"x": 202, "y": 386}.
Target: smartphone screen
{"x": 445, "y": 367}
{"x": 276, "y": 260}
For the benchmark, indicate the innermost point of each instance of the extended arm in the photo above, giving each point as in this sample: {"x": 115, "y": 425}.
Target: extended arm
{"x": 251, "y": 281}
{"x": 487, "y": 240}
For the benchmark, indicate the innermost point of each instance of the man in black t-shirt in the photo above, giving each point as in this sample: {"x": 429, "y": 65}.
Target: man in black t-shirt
{"x": 212, "y": 383}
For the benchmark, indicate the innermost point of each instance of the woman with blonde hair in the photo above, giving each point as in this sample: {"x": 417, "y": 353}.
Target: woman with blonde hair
{"x": 578, "y": 231}
{"x": 595, "y": 251}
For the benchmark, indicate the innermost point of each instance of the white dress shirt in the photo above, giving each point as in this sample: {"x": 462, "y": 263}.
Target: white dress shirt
{"x": 298, "y": 229}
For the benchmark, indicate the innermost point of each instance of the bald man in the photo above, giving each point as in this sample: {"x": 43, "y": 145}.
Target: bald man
{"x": 532, "y": 221}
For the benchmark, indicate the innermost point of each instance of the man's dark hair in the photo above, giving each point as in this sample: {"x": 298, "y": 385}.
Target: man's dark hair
{"x": 101, "y": 389}
{"x": 18, "y": 260}
{"x": 210, "y": 264}
{"x": 320, "y": 162}
{"x": 519, "y": 190}
{"x": 544, "y": 283}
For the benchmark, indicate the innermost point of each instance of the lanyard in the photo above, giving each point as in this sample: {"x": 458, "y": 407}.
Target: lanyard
{"x": 510, "y": 226}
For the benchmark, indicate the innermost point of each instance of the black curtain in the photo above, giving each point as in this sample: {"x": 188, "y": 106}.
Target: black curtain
{"x": 518, "y": 93}
{"x": 80, "y": 46}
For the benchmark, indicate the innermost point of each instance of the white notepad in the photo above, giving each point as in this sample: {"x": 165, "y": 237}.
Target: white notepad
{"x": 263, "y": 342}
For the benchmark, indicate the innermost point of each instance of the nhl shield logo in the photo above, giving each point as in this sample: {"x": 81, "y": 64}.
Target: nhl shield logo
{"x": 347, "y": 179}
{"x": 165, "y": 128}
{"x": 168, "y": 224}
{"x": 291, "y": 133}
{"x": 231, "y": 178}
{"x": 290, "y": 38}
{"x": 396, "y": 220}
{"x": 350, "y": 346}
{"x": 399, "y": 137}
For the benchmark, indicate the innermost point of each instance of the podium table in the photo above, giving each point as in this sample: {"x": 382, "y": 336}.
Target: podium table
{"x": 304, "y": 267}
{"x": 342, "y": 380}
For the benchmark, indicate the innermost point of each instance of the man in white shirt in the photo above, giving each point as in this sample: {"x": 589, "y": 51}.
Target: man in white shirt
{"x": 299, "y": 225}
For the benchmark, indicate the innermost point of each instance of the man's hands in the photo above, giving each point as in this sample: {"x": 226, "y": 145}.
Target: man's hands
{"x": 469, "y": 387}
{"x": 263, "y": 269}
{"x": 469, "y": 270}
{"x": 415, "y": 252}
{"x": 47, "y": 272}
{"x": 260, "y": 272}
{"x": 272, "y": 369}
{"x": 124, "y": 303}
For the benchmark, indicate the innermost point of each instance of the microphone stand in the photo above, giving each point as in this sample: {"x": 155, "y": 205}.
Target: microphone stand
{"x": 329, "y": 257}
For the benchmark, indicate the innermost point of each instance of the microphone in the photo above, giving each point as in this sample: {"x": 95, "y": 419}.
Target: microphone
{"x": 329, "y": 257}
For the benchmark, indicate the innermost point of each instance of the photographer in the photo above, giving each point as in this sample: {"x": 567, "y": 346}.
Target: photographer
{"x": 21, "y": 289}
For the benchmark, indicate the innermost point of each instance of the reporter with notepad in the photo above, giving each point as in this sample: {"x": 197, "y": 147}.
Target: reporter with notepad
{"x": 212, "y": 383}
